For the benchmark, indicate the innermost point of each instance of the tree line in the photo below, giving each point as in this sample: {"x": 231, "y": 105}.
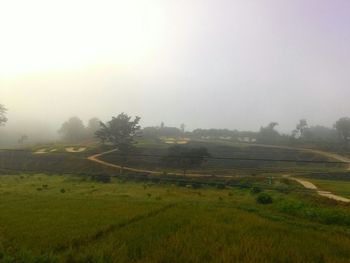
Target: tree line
{"x": 75, "y": 131}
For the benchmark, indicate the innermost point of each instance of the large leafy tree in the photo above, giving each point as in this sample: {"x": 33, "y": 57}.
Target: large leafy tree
{"x": 300, "y": 129}
{"x": 73, "y": 130}
{"x": 3, "y": 118}
{"x": 268, "y": 134}
{"x": 343, "y": 128}
{"x": 92, "y": 127}
{"x": 120, "y": 132}
{"x": 185, "y": 158}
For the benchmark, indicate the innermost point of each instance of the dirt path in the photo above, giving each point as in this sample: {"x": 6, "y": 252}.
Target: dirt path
{"x": 95, "y": 158}
{"x": 311, "y": 186}
{"x": 333, "y": 156}
{"x": 305, "y": 183}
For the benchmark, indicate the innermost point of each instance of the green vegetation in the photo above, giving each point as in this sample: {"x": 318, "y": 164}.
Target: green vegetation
{"x": 76, "y": 219}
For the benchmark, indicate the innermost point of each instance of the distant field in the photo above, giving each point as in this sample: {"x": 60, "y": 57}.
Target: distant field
{"x": 228, "y": 167}
{"x": 74, "y": 219}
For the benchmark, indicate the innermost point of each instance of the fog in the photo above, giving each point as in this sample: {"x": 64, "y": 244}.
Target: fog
{"x": 233, "y": 64}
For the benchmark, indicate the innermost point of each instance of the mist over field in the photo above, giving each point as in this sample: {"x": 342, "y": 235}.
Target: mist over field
{"x": 191, "y": 131}
{"x": 208, "y": 64}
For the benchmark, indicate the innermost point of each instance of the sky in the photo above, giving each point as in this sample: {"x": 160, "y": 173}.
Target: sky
{"x": 236, "y": 64}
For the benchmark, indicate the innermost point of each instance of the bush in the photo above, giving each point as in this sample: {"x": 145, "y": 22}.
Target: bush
{"x": 62, "y": 191}
{"x": 256, "y": 190}
{"x": 264, "y": 198}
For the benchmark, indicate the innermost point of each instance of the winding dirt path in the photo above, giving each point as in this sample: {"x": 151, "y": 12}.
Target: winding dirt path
{"x": 308, "y": 184}
{"x": 95, "y": 158}
{"x": 311, "y": 186}
{"x": 303, "y": 182}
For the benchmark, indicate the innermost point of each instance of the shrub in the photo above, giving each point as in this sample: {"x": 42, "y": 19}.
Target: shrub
{"x": 256, "y": 190}
{"x": 264, "y": 198}
{"x": 62, "y": 191}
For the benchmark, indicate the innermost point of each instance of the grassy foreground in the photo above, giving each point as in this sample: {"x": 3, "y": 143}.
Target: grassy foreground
{"x": 73, "y": 219}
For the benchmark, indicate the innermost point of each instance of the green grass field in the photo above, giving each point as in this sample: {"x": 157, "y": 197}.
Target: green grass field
{"x": 74, "y": 219}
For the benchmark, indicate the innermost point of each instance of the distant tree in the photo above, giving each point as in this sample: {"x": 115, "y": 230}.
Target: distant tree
{"x": 162, "y": 125}
{"x": 3, "y": 118}
{"x": 343, "y": 128}
{"x": 22, "y": 139}
{"x": 300, "y": 129}
{"x": 92, "y": 127}
{"x": 185, "y": 158}
{"x": 182, "y": 127}
{"x": 268, "y": 134}
{"x": 73, "y": 130}
{"x": 120, "y": 132}
{"x": 156, "y": 132}
{"x": 320, "y": 134}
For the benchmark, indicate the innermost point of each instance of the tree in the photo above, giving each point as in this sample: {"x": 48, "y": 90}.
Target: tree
{"x": 268, "y": 134}
{"x": 3, "y": 118}
{"x": 73, "y": 130}
{"x": 120, "y": 132}
{"x": 22, "y": 139}
{"x": 185, "y": 158}
{"x": 300, "y": 129}
{"x": 343, "y": 128}
{"x": 93, "y": 126}
{"x": 182, "y": 127}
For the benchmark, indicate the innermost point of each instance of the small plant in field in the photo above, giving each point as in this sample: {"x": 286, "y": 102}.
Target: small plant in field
{"x": 264, "y": 198}
{"x": 62, "y": 190}
{"x": 149, "y": 194}
{"x": 220, "y": 198}
{"x": 45, "y": 186}
{"x": 230, "y": 194}
{"x": 39, "y": 189}
{"x": 158, "y": 198}
{"x": 256, "y": 190}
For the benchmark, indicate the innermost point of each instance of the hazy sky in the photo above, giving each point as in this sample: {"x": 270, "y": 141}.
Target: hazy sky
{"x": 206, "y": 63}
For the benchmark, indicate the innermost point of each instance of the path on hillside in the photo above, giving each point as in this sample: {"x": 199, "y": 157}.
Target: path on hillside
{"x": 330, "y": 155}
{"x": 303, "y": 182}
{"x": 95, "y": 158}
{"x": 311, "y": 186}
